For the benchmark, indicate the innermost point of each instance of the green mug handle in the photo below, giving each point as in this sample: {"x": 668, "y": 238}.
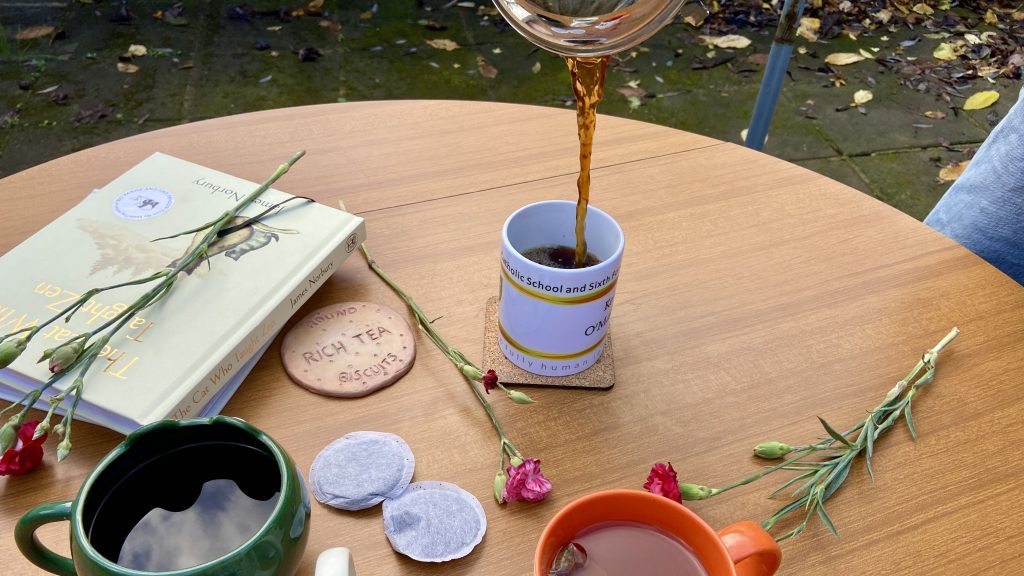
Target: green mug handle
{"x": 25, "y": 536}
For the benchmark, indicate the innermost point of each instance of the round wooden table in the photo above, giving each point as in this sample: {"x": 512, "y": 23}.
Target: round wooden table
{"x": 754, "y": 296}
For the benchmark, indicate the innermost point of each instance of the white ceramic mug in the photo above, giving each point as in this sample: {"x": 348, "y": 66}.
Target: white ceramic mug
{"x": 554, "y": 321}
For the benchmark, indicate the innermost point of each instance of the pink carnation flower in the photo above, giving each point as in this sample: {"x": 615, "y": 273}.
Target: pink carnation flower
{"x": 526, "y": 482}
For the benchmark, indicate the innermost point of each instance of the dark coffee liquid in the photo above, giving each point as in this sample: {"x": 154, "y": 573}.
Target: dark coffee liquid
{"x": 557, "y": 256}
{"x": 588, "y": 87}
{"x": 186, "y": 507}
{"x": 628, "y": 548}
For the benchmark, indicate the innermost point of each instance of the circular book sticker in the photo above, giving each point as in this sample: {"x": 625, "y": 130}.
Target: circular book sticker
{"x": 434, "y": 522}
{"x": 348, "y": 349}
{"x": 142, "y": 203}
{"x": 361, "y": 469}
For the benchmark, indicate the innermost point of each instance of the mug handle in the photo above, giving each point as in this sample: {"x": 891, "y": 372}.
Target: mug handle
{"x": 28, "y": 543}
{"x": 751, "y": 548}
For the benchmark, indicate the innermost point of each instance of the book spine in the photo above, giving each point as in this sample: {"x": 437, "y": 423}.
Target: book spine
{"x": 206, "y": 388}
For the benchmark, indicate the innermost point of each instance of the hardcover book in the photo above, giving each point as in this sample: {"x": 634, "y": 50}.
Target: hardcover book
{"x": 183, "y": 356}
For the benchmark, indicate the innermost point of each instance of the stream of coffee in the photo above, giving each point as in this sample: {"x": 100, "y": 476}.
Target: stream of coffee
{"x": 588, "y": 86}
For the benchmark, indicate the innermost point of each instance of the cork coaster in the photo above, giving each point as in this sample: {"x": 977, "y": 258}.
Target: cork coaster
{"x": 600, "y": 376}
{"x": 348, "y": 349}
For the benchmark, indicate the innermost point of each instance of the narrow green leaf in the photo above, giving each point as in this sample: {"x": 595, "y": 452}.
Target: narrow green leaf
{"x": 828, "y": 521}
{"x": 835, "y": 435}
{"x": 788, "y": 508}
{"x": 792, "y": 481}
{"x": 870, "y": 433}
{"x": 836, "y": 479}
{"x": 910, "y": 421}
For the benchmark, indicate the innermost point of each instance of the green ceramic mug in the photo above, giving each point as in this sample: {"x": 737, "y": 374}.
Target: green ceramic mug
{"x": 211, "y": 496}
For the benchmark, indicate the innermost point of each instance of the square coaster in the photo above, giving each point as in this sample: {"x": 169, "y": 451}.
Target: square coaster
{"x": 600, "y": 376}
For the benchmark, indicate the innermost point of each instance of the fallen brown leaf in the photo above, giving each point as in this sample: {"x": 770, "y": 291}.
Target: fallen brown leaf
{"x": 935, "y": 114}
{"x": 952, "y": 171}
{"x": 486, "y": 70}
{"x": 127, "y": 67}
{"x": 443, "y": 44}
{"x": 33, "y": 32}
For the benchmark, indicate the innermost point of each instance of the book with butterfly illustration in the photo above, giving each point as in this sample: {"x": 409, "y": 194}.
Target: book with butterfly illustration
{"x": 184, "y": 356}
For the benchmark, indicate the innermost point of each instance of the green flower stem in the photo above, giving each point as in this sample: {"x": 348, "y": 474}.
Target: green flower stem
{"x": 456, "y": 357}
{"x": 166, "y": 278}
{"x": 768, "y": 470}
{"x": 823, "y": 477}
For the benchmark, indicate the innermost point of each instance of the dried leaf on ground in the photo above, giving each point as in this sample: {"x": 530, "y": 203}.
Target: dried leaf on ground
{"x": 935, "y": 114}
{"x": 809, "y": 28}
{"x": 127, "y": 67}
{"x": 843, "y": 58}
{"x": 922, "y": 8}
{"x": 952, "y": 171}
{"x": 634, "y": 94}
{"x": 443, "y": 44}
{"x": 981, "y": 100}
{"x": 728, "y": 41}
{"x": 137, "y": 50}
{"x": 310, "y": 54}
{"x": 944, "y": 51}
{"x": 862, "y": 97}
{"x": 93, "y": 115}
{"x": 432, "y": 25}
{"x": 485, "y": 68}
{"x": 33, "y": 32}
{"x": 535, "y": 68}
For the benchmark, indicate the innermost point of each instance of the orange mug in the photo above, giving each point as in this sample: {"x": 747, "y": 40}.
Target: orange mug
{"x": 741, "y": 549}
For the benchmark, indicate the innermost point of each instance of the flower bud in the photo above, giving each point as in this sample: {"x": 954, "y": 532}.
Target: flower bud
{"x": 64, "y": 356}
{"x": 499, "y": 486}
{"x": 518, "y": 397}
{"x": 59, "y": 429}
{"x": 472, "y": 372}
{"x": 8, "y": 437}
{"x": 694, "y": 492}
{"x": 63, "y": 449}
{"x": 10, "y": 350}
{"x": 41, "y": 429}
{"x": 772, "y": 450}
{"x": 516, "y": 461}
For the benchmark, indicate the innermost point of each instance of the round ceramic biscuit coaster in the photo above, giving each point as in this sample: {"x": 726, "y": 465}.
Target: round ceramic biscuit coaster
{"x": 348, "y": 349}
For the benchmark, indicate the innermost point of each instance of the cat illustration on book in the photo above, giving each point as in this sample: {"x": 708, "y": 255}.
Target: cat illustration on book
{"x": 121, "y": 249}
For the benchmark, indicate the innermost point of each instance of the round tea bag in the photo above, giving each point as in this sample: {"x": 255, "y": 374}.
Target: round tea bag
{"x": 434, "y": 522}
{"x": 361, "y": 469}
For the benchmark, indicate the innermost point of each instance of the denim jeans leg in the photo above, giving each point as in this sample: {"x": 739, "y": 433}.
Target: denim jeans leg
{"x": 984, "y": 209}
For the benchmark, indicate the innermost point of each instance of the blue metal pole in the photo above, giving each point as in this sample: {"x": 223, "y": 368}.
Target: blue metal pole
{"x": 774, "y": 73}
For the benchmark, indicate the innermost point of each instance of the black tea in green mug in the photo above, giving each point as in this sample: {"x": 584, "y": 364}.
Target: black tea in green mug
{"x": 184, "y": 508}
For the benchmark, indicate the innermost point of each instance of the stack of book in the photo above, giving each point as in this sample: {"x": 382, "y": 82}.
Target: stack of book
{"x": 186, "y": 355}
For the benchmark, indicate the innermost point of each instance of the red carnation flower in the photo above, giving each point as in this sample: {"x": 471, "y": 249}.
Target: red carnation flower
{"x": 663, "y": 481}
{"x": 26, "y": 454}
{"x": 490, "y": 381}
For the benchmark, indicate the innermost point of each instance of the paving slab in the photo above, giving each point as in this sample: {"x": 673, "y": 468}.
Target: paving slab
{"x": 907, "y": 180}
{"x": 840, "y": 170}
{"x": 894, "y": 118}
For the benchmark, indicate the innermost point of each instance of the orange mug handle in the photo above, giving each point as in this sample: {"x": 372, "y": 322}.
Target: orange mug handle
{"x": 753, "y": 550}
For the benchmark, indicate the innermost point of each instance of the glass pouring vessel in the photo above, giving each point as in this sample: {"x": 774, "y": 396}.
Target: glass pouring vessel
{"x": 588, "y": 28}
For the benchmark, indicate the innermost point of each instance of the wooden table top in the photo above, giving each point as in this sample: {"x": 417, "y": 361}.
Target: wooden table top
{"x": 754, "y": 296}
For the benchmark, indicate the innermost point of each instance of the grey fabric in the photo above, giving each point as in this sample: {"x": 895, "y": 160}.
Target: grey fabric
{"x": 434, "y": 522}
{"x": 984, "y": 209}
{"x": 361, "y": 469}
